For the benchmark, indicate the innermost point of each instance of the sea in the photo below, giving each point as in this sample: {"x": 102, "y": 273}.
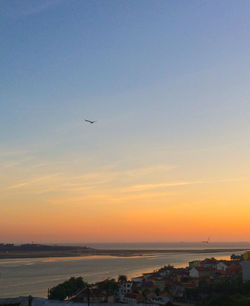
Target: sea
{"x": 33, "y": 276}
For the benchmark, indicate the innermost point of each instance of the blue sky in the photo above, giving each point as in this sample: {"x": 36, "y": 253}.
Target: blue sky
{"x": 167, "y": 82}
{"x": 66, "y": 60}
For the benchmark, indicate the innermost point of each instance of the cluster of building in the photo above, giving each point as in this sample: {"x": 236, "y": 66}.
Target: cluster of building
{"x": 171, "y": 285}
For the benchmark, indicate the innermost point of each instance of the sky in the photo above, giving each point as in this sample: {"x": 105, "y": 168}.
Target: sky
{"x": 169, "y": 156}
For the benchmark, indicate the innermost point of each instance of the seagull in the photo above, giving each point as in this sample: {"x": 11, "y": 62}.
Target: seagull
{"x": 89, "y": 121}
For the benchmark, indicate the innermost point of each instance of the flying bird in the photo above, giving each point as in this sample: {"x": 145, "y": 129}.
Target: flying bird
{"x": 89, "y": 121}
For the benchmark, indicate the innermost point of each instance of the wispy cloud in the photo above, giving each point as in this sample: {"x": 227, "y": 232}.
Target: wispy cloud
{"x": 14, "y": 158}
{"x": 145, "y": 187}
{"x": 33, "y": 181}
{"x": 236, "y": 179}
{"x": 111, "y": 180}
{"x": 107, "y": 178}
{"x": 153, "y": 186}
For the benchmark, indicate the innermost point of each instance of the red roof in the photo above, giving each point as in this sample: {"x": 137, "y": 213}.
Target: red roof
{"x": 203, "y": 269}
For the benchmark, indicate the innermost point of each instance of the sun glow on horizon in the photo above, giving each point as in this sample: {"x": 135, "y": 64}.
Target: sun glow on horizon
{"x": 114, "y": 204}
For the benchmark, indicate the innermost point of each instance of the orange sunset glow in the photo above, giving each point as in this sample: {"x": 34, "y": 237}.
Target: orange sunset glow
{"x": 143, "y": 204}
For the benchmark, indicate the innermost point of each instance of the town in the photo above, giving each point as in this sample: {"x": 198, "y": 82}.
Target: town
{"x": 207, "y": 282}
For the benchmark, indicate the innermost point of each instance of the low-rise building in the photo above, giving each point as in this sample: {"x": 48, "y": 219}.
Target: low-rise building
{"x": 200, "y": 272}
{"x": 234, "y": 269}
{"x": 245, "y": 264}
{"x": 222, "y": 265}
{"x": 125, "y": 287}
{"x": 159, "y": 283}
{"x": 133, "y": 298}
{"x": 209, "y": 263}
{"x": 194, "y": 263}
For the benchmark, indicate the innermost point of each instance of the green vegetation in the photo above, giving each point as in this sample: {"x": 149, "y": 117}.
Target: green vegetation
{"x": 229, "y": 293}
{"x": 236, "y": 257}
{"x": 122, "y": 278}
{"x": 74, "y": 284}
{"x": 110, "y": 286}
{"x": 66, "y": 289}
{"x": 225, "y": 300}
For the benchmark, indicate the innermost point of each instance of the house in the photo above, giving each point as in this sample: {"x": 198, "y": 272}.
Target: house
{"x": 222, "y": 265}
{"x": 189, "y": 282}
{"x": 180, "y": 273}
{"x": 160, "y": 284}
{"x": 132, "y": 298}
{"x": 233, "y": 269}
{"x": 148, "y": 284}
{"x": 245, "y": 264}
{"x": 200, "y": 272}
{"x": 177, "y": 290}
{"x": 228, "y": 267}
{"x": 125, "y": 287}
{"x": 208, "y": 263}
{"x": 194, "y": 263}
{"x": 165, "y": 271}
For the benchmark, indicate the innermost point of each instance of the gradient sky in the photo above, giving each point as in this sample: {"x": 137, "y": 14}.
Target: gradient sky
{"x": 169, "y": 156}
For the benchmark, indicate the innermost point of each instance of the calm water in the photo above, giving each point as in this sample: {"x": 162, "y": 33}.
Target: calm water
{"x": 34, "y": 276}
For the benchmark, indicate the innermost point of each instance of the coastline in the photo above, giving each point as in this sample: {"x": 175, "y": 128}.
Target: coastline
{"x": 116, "y": 253}
{"x": 35, "y": 275}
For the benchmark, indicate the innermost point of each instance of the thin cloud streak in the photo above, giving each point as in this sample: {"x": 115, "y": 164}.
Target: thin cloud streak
{"x": 67, "y": 182}
{"x": 161, "y": 185}
{"x": 145, "y": 187}
{"x": 33, "y": 181}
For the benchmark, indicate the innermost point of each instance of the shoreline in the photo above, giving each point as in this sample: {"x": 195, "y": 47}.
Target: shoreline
{"x": 114, "y": 253}
{"x": 37, "y": 274}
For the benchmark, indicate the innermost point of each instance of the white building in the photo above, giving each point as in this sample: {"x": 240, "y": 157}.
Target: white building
{"x": 222, "y": 266}
{"x": 130, "y": 298}
{"x": 198, "y": 272}
{"x": 245, "y": 270}
{"x": 124, "y": 288}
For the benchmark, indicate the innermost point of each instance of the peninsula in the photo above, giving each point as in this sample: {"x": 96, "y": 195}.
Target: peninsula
{"x": 8, "y": 251}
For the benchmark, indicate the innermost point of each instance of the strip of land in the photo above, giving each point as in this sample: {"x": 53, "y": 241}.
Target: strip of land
{"x": 8, "y": 251}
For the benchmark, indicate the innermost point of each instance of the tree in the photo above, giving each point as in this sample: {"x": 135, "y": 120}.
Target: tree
{"x": 229, "y": 292}
{"x": 227, "y": 300}
{"x": 110, "y": 286}
{"x": 122, "y": 278}
{"x": 66, "y": 289}
{"x": 57, "y": 293}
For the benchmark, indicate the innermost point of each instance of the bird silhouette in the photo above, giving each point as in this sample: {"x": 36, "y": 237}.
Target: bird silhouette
{"x": 89, "y": 121}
